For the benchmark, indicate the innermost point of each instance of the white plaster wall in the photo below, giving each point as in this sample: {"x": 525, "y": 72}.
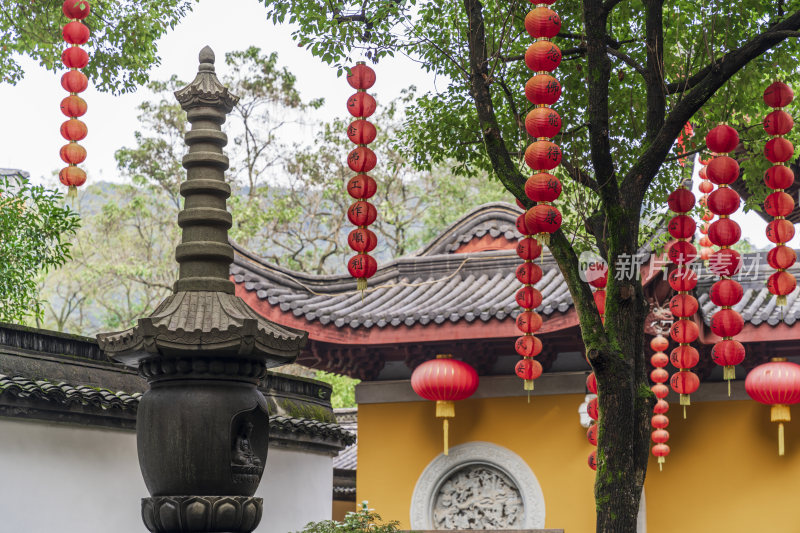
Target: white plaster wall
{"x": 297, "y": 489}
{"x": 73, "y": 479}
{"x": 68, "y": 479}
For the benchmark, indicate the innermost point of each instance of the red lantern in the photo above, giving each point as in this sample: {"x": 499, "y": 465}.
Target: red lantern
{"x": 362, "y": 266}
{"x": 73, "y": 130}
{"x": 593, "y": 409}
{"x": 529, "y": 273}
{"x": 73, "y": 153}
{"x": 723, "y": 201}
{"x": 778, "y": 122}
{"x": 600, "y": 301}
{"x": 681, "y": 200}
{"x": 592, "y": 460}
{"x": 362, "y": 240}
{"x": 779, "y": 204}
{"x": 542, "y": 122}
{"x": 728, "y": 353}
{"x": 529, "y": 249}
{"x": 684, "y": 332}
{"x": 726, "y": 292}
{"x": 779, "y": 177}
{"x": 660, "y": 421}
{"x": 529, "y": 322}
{"x": 661, "y": 451}
{"x": 722, "y": 170}
{"x": 778, "y": 150}
{"x": 528, "y": 369}
{"x": 705, "y": 242}
{"x": 659, "y": 375}
{"x": 776, "y": 383}
{"x": 523, "y": 228}
{"x": 543, "y": 89}
{"x": 660, "y": 436}
{"x": 361, "y": 186}
{"x": 361, "y": 132}
{"x": 682, "y": 252}
{"x": 76, "y": 9}
{"x": 659, "y": 343}
{"x": 725, "y": 262}
{"x": 361, "y": 76}
{"x": 528, "y": 298}
{"x": 706, "y": 186}
{"x": 362, "y": 213}
{"x": 778, "y": 95}
{"x": 661, "y": 407}
{"x": 542, "y": 22}
{"x": 543, "y": 155}
{"x": 722, "y": 139}
{"x": 780, "y": 230}
{"x": 597, "y": 275}
{"x": 682, "y": 279}
{"x": 73, "y": 106}
{"x": 72, "y": 176}
{"x": 591, "y": 383}
{"x": 684, "y": 383}
{"x": 528, "y": 346}
{"x": 659, "y": 360}
{"x": 444, "y": 380}
{"x": 74, "y": 81}
{"x": 75, "y": 33}
{"x": 681, "y": 227}
{"x": 74, "y": 57}
{"x": 684, "y": 356}
{"x": 660, "y": 390}
{"x": 591, "y": 434}
{"x": 543, "y": 56}
{"x": 543, "y": 187}
{"x": 545, "y": 217}
{"x": 727, "y": 323}
{"x": 683, "y": 305}
{"x": 781, "y": 257}
{"x": 724, "y": 232}
{"x": 361, "y": 104}
{"x": 781, "y": 284}
{"x": 362, "y": 159}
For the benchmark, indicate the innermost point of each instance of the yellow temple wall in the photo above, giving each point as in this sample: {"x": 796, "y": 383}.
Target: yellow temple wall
{"x": 723, "y": 474}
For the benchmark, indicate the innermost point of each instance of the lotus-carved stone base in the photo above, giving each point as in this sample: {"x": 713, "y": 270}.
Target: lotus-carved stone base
{"x": 202, "y": 514}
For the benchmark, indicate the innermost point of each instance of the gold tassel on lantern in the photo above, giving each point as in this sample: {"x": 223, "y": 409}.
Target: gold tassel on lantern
{"x": 445, "y": 409}
{"x": 780, "y": 413}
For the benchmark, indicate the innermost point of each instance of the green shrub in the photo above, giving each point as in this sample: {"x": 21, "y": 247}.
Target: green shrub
{"x": 362, "y": 521}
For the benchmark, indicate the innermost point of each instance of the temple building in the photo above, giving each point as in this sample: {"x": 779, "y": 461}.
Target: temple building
{"x": 519, "y": 462}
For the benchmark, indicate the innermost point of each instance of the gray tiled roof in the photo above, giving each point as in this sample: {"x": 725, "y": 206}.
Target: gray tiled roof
{"x": 314, "y": 428}
{"x": 65, "y": 394}
{"x": 758, "y": 305}
{"x": 347, "y": 459}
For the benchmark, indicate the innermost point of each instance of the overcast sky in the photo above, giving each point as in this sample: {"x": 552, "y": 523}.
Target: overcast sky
{"x": 32, "y": 139}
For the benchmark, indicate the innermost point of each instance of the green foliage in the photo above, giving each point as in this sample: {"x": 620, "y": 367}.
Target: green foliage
{"x": 35, "y": 228}
{"x": 122, "y": 46}
{"x": 344, "y": 388}
{"x": 364, "y": 520}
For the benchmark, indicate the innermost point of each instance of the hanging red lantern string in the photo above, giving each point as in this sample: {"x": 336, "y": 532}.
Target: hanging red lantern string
{"x": 73, "y": 106}
{"x": 444, "y": 380}
{"x": 361, "y": 187}
{"x": 706, "y": 187}
{"x": 683, "y": 305}
{"x": 778, "y": 178}
{"x": 776, "y": 383}
{"x": 591, "y": 433}
{"x": 597, "y": 276}
{"x": 659, "y": 375}
{"x": 543, "y": 123}
{"x": 725, "y": 262}
{"x": 529, "y": 298}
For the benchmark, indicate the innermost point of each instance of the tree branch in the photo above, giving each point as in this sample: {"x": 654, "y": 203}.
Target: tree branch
{"x": 644, "y": 170}
{"x": 579, "y": 176}
{"x": 628, "y": 60}
{"x": 656, "y": 96}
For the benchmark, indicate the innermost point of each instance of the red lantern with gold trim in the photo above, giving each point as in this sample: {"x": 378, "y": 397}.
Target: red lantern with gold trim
{"x": 777, "y": 384}
{"x": 445, "y": 381}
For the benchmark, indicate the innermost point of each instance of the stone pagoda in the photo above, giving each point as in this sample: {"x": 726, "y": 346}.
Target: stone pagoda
{"x": 202, "y": 428}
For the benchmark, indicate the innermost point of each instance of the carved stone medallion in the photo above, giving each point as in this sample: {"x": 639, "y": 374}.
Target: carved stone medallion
{"x": 478, "y": 486}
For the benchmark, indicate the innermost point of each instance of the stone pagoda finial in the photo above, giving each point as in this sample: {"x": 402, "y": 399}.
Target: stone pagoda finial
{"x": 204, "y": 254}
{"x": 202, "y": 428}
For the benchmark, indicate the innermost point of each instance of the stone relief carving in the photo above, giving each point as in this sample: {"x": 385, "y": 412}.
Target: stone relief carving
{"x": 478, "y": 497}
{"x": 479, "y": 485}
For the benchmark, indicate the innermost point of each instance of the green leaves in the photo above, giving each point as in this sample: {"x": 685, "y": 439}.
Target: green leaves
{"x": 35, "y": 228}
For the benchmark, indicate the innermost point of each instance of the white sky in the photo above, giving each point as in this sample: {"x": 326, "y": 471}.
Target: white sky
{"x": 31, "y": 138}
